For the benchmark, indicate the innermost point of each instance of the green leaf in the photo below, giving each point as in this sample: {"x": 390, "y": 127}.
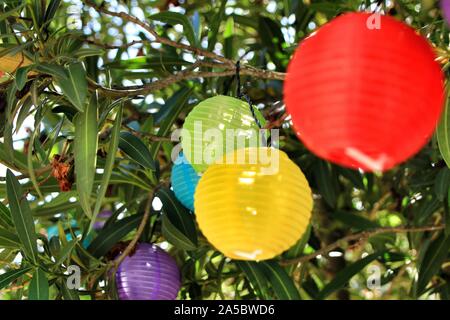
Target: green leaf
{"x": 30, "y": 152}
{"x": 299, "y": 247}
{"x": 10, "y": 276}
{"x": 51, "y": 10}
{"x": 85, "y": 152}
{"x": 53, "y": 70}
{"x": 88, "y": 52}
{"x": 9, "y": 240}
{"x": 175, "y": 236}
{"x": 109, "y": 164}
{"x": 431, "y": 263}
{"x": 5, "y": 217}
{"x": 442, "y": 183}
{"x": 178, "y": 216}
{"x": 443, "y": 130}
{"x": 39, "y": 288}
{"x": 255, "y": 274}
{"x": 215, "y": 25}
{"x": 282, "y": 284}
{"x": 8, "y": 151}
{"x": 136, "y": 150}
{"x": 343, "y": 276}
{"x": 21, "y": 216}
{"x": 174, "y": 105}
{"x": 148, "y": 62}
{"x": 324, "y": 180}
{"x": 75, "y": 86}
{"x": 54, "y": 246}
{"x": 22, "y": 76}
{"x": 9, "y": 13}
{"x": 49, "y": 210}
{"x": 108, "y": 237}
{"x": 353, "y": 176}
{"x": 174, "y": 18}
{"x": 229, "y": 28}
{"x": 65, "y": 252}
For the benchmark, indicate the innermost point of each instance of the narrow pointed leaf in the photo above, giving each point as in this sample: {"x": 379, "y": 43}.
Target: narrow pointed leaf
{"x": 136, "y": 150}
{"x": 108, "y": 237}
{"x": 9, "y": 240}
{"x": 344, "y": 276}
{"x": 443, "y": 131}
{"x": 109, "y": 164}
{"x": 175, "y": 236}
{"x": 174, "y": 105}
{"x": 66, "y": 252}
{"x": 255, "y": 274}
{"x": 53, "y": 70}
{"x": 75, "y": 86}
{"x": 85, "y": 152}
{"x": 10, "y": 276}
{"x": 282, "y": 284}
{"x": 21, "y": 77}
{"x": 431, "y": 263}
{"x": 5, "y": 217}
{"x": 179, "y": 217}
{"x": 21, "y": 216}
{"x": 39, "y": 288}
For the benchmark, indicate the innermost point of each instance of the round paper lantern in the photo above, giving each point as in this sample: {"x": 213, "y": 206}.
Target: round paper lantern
{"x": 204, "y": 135}
{"x": 364, "y": 91}
{"x": 253, "y": 210}
{"x": 445, "y": 6}
{"x": 184, "y": 181}
{"x": 149, "y": 274}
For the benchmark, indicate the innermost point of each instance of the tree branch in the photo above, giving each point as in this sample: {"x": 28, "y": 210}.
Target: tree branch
{"x": 359, "y": 237}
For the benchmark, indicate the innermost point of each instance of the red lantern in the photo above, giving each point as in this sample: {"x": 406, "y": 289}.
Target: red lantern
{"x": 364, "y": 91}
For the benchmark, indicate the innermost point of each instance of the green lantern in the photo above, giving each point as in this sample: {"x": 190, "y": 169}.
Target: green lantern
{"x": 217, "y": 126}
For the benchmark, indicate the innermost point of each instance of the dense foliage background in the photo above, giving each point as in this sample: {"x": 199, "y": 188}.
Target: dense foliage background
{"x": 142, "y": 71}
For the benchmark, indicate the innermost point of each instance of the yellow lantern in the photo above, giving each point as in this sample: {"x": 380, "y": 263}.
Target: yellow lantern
{"x": 217, "y": 126}
{"x": 253, "y": 205}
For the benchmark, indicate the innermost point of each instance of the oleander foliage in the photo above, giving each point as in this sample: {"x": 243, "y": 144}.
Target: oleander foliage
{"x": 66, "y": 144}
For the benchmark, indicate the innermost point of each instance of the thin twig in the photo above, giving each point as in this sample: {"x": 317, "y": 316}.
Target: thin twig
{"x": 358, "y": 237}
{"x": 110, "y": 46}
{"x": 140, "y": 229}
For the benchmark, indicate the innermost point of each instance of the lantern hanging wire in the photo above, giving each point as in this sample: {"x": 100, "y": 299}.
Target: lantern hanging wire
{"x": 241, "y": 95}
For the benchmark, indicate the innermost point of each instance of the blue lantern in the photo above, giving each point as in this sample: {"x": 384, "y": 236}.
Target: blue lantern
{"x": 184, "y": 181}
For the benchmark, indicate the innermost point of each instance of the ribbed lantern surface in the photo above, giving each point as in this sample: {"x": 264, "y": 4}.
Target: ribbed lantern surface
{"x": 184, "y": 181}
{"x": 149, "y": 274}
{"x": 204, "y": 135}
{"x": 253, "y": 210}
{"x": 445, "y": 6}
{"x": 362, "y": 96}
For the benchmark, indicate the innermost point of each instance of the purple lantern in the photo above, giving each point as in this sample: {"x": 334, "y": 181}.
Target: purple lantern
{"x": 149, "y": 274}
{"x": 445, "y": 6}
